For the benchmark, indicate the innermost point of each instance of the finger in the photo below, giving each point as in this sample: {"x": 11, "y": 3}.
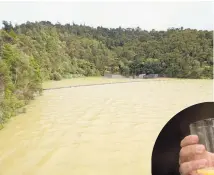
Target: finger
{"x": 191, "y": 151}
{"x": 211, "y": 158}
{"x": 189, "y": 140}
{"x": 188, "y": 167}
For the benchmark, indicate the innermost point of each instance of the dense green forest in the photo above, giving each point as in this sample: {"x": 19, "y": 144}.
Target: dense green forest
{"x": 31, "y": 53}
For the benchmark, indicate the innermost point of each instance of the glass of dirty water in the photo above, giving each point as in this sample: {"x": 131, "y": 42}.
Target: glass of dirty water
{"x": 204, "y": 129}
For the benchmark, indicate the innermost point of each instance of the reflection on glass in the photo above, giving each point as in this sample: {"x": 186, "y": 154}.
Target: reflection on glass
{"x": 204, "y": 129}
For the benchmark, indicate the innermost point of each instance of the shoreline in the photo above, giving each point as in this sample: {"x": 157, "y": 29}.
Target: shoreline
{"x": 98, "y": 81}
{"x": 82, "y": 85}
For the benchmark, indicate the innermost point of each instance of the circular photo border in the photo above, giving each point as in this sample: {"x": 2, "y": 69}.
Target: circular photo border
{"x": 165, "y": 154}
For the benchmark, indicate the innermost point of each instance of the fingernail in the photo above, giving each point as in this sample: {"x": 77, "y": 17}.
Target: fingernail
{"x": 200, "y": 149}
{"x": 203, "y": 163}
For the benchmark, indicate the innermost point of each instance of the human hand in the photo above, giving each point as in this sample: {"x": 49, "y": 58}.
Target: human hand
{"x": 193, "y": 156}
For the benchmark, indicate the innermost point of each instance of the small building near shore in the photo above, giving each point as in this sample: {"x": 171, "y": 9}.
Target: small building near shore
{"x": 109, "y": 75}
{"x": 141, "y": 75}
{"x": 151, "y": 76}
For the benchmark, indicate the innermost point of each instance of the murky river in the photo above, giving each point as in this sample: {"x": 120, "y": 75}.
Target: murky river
{"x": 95, "y": 130}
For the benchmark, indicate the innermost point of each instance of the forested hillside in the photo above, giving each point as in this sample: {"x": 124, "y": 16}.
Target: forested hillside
{"x": 34, "y": 52}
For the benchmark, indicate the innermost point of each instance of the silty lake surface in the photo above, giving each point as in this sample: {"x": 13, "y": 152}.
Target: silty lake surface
{"x": 95, "y": 130}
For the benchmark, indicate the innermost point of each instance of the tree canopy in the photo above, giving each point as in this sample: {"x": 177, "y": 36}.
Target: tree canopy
{"x": 33, "y": 52}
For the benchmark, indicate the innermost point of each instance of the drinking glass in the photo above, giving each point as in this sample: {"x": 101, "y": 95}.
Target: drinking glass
{"x": 204, "y": 129}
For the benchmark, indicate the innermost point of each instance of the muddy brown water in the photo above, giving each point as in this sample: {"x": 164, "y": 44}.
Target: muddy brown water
{"x": 95, "y": 130}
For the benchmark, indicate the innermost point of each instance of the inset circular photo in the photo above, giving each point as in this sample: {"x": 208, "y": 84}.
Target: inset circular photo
{"x": 185, "y": 145}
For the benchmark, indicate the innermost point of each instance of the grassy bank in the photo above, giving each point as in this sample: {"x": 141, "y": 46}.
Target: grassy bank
{"x": 101, "y": 80}
{"x": 82, "y": 81}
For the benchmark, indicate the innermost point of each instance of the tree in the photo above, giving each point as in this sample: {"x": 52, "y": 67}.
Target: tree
{"x": 34, "y": 52}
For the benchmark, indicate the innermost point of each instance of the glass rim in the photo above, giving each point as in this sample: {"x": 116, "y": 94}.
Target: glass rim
{"x": 202, "y": 122}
